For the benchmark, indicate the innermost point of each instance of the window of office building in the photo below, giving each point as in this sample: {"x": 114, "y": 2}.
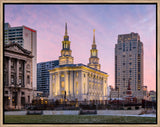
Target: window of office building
{"x": 12, "y": 79}
{"x": 20, "y": 80}
{"x": 12, "y": 63}
{"x": 28, "y": 79}
{"x": 123, "y": 47}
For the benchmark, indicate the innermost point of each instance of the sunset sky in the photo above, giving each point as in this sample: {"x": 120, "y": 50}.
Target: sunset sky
{"x": 108, "y": 20}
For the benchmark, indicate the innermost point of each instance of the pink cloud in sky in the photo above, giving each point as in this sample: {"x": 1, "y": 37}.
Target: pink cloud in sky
{"x": 108, "y": 20}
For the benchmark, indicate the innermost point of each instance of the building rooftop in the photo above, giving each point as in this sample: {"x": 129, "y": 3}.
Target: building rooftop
{"x": 8, "y": 26}
{"x": 78, "y": 65}
{"x": 20, "y": 47}
{"x": 48, "y": 61}
{"x": 129, "y": 36}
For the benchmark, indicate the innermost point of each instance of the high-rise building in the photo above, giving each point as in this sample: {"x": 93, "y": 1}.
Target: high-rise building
{"x": 43, "y": 75}
{"x": 129, "y": 64}
{"x": 27, "y": 38}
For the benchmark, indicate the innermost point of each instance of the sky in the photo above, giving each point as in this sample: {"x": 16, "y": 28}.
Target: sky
{"x": 108, "y": 20}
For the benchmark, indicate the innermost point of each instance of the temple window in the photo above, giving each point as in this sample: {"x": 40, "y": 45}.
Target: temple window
{"x": 62, "y": 84}
{"x": 77, "y": 85}
{"x": 62, "y": 92}
{"x": 84, "y": 87}
{"x": 77, "y": 74}
{"x": 62, "y": 75}
{"x": 53, "y": 87}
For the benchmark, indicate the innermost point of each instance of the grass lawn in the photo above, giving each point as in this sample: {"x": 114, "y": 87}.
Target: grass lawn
{"x": 77, "y": 119}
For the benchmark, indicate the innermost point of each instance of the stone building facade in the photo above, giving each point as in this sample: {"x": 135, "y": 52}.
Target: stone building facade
{"x": 27, "y": 38}
{"x": 18, "y": 90}
{"x": 78, "y": 82}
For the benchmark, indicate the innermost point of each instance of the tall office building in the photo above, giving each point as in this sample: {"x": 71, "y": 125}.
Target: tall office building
{"x": 129, "y": 64}
{"x": 27, "y": 38}
{"x": 43, "y": 75}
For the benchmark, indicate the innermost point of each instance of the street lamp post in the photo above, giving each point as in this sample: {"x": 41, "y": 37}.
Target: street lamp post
{"x": 118, "y": 97}
{"x": 15, "y": 98}
{"x": 87, "y": 97}
{"x": 65, "y": 97}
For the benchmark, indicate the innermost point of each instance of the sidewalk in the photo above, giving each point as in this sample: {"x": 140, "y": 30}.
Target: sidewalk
{"x": 144, "y": 115}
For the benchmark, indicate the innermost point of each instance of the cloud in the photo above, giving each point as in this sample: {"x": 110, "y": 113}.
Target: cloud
{"x": 108, "y": 20}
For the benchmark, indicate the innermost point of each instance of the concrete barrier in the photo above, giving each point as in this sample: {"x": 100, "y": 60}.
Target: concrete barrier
{"x": 76, "y": 112}
{"x": 87, "y": 112}
{"x": 15, "y": 112}
{"x": 61, "y": 112}
{"x": 119, "y": 112}
{"x": 34, "y": 112}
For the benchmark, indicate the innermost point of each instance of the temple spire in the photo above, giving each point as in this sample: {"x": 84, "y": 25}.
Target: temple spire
{"x": 94, "y": 60}
{"x": 93, "y": 36}
{"x": 66, "y": 29}
{"x": 66, "y": 57}
{"x": 94, "y": 42}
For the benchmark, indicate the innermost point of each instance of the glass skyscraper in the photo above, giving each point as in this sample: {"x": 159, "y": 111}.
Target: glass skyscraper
{"x": 43, "y": 75}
